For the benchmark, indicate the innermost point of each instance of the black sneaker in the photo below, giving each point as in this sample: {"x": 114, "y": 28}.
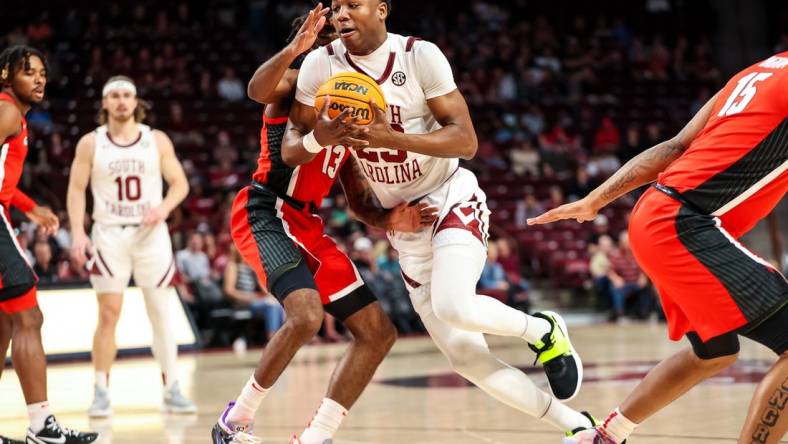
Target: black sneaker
{"x": 559, "y": 359}
{"x": 4, "y": 440}
{"x": 53, "y": 433}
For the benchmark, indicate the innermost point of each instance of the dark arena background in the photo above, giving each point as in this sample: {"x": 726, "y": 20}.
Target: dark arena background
{"x": 562, "y": 94}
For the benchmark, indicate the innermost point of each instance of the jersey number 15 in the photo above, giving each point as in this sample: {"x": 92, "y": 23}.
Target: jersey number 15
{"x": 745, "y": 92}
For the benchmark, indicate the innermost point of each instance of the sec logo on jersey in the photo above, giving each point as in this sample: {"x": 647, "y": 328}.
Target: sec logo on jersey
{"x": 399, "y": 78}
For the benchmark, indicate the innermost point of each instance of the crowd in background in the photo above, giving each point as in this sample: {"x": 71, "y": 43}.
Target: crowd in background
{"x": 556, "y": 96}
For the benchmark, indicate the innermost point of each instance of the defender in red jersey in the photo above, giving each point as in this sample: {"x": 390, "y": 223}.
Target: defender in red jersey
{"x": 23, "y": 77}
{"x": 275, "y": 228}
{"x": 726, "y": 170}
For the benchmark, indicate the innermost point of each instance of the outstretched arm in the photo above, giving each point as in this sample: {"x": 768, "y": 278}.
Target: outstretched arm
{"x": 642, "y": 169}
{"x": 366, "y": 207}
{"x": 273, "y": 80}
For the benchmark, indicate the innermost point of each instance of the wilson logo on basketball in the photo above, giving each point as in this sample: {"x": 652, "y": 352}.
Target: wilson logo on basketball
{"x": 361, "y": 113}
{"x": 352, "y": 87}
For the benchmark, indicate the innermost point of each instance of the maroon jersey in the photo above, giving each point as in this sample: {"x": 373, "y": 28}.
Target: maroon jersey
{"x": 309, "y": 182}
{"x": 12, "y": 157}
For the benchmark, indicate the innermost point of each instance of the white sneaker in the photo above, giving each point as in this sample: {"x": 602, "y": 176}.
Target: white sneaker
{"x": 100, "y": 408}
{"x": 175, "y": 402}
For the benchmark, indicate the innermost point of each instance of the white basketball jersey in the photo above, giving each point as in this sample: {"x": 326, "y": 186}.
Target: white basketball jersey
{"x": 410, "y": 72}
{"x": 126, "y": 179}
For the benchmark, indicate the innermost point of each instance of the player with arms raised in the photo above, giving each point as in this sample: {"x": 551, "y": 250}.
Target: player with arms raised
{"x": 280, "y": 237}
{"x": 124, "y": 160}
{"x": 411, "y": 152}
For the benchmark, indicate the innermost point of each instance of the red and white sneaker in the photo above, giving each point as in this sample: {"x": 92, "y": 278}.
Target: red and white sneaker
{"x": 589, "y": 436}
{"x": 294, "y": 440}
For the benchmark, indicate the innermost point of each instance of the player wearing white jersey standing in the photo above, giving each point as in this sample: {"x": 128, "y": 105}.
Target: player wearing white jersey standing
{"x": 422, "y": 135}
{"x": 124, "y": 161}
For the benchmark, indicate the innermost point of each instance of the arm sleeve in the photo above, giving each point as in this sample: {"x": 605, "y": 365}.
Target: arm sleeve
{"x": 433, "y": 70}
{"x": 314, "y": 71}
{"x": 22, "y": 201}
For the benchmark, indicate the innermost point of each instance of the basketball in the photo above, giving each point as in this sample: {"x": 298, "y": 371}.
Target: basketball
{"x": 351, "y": 90}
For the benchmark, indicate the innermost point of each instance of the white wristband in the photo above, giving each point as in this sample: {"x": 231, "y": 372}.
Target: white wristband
{"x": 311, "y": 144}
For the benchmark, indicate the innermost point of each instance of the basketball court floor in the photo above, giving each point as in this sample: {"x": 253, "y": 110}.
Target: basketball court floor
{"x": 414, "y": 398}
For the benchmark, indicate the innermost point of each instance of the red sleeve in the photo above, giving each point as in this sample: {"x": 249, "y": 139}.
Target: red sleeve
{"x": 22, "y": 201}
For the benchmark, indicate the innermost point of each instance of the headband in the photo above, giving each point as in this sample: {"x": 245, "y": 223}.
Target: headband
{"x": 119, "y": 84}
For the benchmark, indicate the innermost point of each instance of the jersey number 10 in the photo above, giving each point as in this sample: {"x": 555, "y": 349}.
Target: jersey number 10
{"x": 128, "y": 188}
{"x": 745, "y": 91}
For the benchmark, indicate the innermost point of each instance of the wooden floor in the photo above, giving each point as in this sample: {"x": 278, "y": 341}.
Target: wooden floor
{"x": 413, "y": 399}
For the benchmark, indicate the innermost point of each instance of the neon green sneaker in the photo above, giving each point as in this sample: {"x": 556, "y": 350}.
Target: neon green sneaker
{"x": 593, "y": 423}
{"x": 559, "y": 359}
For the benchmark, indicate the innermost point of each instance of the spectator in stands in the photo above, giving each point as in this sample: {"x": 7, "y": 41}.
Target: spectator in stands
{"x": 601, "y": 228}
{"x": 599, "y": 267}
{"x": 608, "y": 137}
{"x": 556, "y": 198}
{"x": 181, "y": 130}
{"x": 527, "y": 208}
{"x": 392, "y": 292}
{"x": 493, "y": 276}
{"x": 230, "y": 87}
{"x": 517, "y": 294}
{"x": 626, "y": 278}
{"x": 243, "y": 289}
{"x": 633, "y": 145}
{"x": 525, "y": 159}
{"x": 195, "y": 269}
{"x": 581, "y": 185}
{"x": 44, "y": 267}
{"x": 602, "y": 165}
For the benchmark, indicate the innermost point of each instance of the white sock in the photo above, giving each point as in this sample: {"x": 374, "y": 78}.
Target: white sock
{"x": 164, "y": 347}
{"x": 535, "y": 329}
{"x": 325, "y": 423}
{"x": 247, "y": 403}
{"x": 38, "y": 413}
{"x": 617, "y": 426}
{"x": 102, "y": 380}
{"x": 564, "y": 417}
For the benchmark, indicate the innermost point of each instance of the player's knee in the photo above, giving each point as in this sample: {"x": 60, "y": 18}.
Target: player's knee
{"x": 371, "y": 324}
{"x": 713, "y": 362}
{"x": 29, "y": 320}
{"x": 466, "y": 357}
{"x": 306, "y": 325}
{"x": 450, "y": 314}
{"x": 108, "y": 316}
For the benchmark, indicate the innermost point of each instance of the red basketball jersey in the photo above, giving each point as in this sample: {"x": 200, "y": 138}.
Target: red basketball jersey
{"x": 309, "y": 182}
{"x": 12, "y": 158}
{"x": 736, "y": 166}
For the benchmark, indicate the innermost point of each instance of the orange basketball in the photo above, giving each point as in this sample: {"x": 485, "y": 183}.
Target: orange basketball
{"x": 351, "y": 90}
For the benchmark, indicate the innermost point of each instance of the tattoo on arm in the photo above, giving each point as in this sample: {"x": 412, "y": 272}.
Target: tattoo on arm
{"x": 771, "y": 413}
{"x": 360, "y": 197}
{"x": 641, "y": 170}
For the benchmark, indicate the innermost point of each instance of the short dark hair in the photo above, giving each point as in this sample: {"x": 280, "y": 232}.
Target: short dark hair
{"x": 15, "y": 57}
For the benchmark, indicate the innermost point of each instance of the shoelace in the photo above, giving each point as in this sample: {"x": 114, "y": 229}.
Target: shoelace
{"x": 57, "y": 428}
{"x": 245, "y": 438}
